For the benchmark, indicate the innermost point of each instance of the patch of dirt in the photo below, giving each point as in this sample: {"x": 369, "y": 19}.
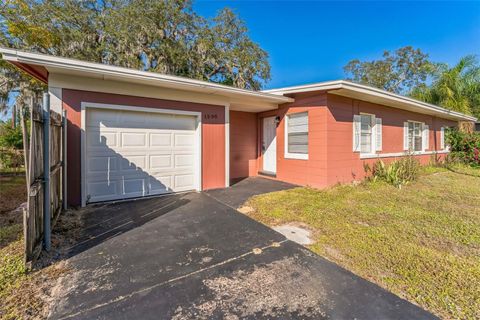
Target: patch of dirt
{"x": 334, "y": 253}
{"x": 245, "y": 209}
{"x": 13, "y": 192}
{"x": 271, "y": 290}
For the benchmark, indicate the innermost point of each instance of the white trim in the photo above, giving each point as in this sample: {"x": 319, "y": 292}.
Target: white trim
{"x": 400, "y": 154}
{"x": 83, "y": 153}
{"x": 56, "y": 101}
{"x": 442, "y": 137}
{"x": 370, "y": 93}
{"x": 289, "y": 155}
{"x": 227, "y": 145}
{"x": 79, "y": 67}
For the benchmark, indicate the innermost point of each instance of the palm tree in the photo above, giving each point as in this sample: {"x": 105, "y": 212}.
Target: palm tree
{"x": 456, "y": 88}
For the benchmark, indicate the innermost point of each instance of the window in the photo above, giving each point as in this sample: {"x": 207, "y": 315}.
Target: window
{"x": 416, "y": 136}
{"x": 296, "y": 136}
{"x": 367, "y": 131}
{"x": 366, "y": 135}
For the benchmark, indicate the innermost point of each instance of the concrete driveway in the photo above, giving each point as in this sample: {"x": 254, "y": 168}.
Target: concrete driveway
{"x": 191, "y": 256}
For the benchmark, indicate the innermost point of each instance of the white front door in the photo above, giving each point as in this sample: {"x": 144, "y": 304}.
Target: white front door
{"x": 269, "y": 145}
{"x": 133, "y": 154}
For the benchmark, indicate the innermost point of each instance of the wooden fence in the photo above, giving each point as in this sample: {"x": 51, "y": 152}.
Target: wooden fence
{"x": 45, "y": 153}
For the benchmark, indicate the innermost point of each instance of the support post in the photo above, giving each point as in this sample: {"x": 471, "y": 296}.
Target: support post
{"x": 64, "y": 159}
{"x": 46, "y": 173}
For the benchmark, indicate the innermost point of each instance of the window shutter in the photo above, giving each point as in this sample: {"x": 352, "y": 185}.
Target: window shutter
{"x": 405, "y": 136}
{"x": 442, "y": 138}
{"x": 426, "y": 137}
{"x": 356, "y": 133}
{"x": 378, "y": 134}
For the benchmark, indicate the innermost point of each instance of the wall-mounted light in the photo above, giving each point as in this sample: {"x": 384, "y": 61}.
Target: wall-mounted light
{"x": 277, "y": 120}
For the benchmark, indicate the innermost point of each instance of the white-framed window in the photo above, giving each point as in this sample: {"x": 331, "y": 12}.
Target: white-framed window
{"x": 296, "y": 135}
{"x": 416, "y": 136}
{"x": 367, "y": 133}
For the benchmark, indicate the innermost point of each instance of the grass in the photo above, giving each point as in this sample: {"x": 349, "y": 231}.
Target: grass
{"x": 421, "y": 242}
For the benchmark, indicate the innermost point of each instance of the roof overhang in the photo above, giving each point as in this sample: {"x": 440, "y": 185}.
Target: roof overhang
{"x": 41, "y": 65}
{"x": 374, "y": 95}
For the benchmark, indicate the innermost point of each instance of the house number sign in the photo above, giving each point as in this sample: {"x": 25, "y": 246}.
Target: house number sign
{"x": 209, "y": 116}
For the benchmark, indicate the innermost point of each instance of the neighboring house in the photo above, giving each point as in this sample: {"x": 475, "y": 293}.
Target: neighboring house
{"x": 133, "y": 133}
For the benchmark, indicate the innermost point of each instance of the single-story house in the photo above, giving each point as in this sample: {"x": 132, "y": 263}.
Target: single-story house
{"x": 133, "y": 133}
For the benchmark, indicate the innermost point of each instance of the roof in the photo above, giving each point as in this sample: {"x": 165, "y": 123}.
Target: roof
{"x": 39, "y": 65}
{"x": 370, "y": 94}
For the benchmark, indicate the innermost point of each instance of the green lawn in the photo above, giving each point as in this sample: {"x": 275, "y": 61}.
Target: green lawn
{"x": 421, "y": 242}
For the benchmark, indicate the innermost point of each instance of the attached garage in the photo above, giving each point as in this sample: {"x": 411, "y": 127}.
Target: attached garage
{"x": 133, "y": 133}
{"x": 133, "y": 152}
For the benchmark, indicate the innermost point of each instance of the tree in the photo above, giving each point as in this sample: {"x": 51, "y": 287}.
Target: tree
{"x": 456, "y": 88}
{"x": 10, "y": 137}
{"x": 163, "y": 36}
{"x": 397, "y": 72}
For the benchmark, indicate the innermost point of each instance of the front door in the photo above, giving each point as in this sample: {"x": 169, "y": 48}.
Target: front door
{"x": 269, "y": 145}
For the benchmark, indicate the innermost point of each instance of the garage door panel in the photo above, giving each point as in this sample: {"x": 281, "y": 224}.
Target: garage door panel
{"x": 184, "y": 140}
{"x": 184, "y": 160}
{"x": 161, "y": 161}
{"x": 132, "y": 162}
{"x": 102, "y": 118}
{"x": 100, "y": 139}
{"x": 103, "y": 189}
{"x": 134, "y": 140}
{"x": 160, "y": 184}
{"x": 184, "y": 182}
{"x": 172, "y": 122}
{"x": 102, "y": 164}
{"x": 134, "y": 187}
{"x": 161, "y": 139}
{"x": 132, "y": 154}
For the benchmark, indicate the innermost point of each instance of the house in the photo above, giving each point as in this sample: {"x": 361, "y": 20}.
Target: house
{"x": 133, "y": 133}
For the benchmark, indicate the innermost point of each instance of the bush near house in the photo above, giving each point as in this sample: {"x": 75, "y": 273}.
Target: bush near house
{"x": 465, "y": 147}
{"x": 397, "y": 173}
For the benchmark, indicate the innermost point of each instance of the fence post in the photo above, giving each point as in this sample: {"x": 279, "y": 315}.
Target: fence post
{"x": 64, "y": 159}
{"x": 46, "y": 172}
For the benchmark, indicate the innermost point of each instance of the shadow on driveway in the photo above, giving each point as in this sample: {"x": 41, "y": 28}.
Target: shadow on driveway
{"x": 190, "y": 256}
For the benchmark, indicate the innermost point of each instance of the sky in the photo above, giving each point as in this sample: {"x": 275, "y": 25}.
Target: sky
{"x": 311, "y": 41}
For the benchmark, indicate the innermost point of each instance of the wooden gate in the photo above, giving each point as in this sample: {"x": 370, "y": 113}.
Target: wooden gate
{"x": 45, "y": 172}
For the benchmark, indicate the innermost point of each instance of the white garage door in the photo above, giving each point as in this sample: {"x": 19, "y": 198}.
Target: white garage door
{"x": 133, "y": 154}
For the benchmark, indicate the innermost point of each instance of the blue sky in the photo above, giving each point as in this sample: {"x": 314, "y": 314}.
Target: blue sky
{"x": 311, "y": 41}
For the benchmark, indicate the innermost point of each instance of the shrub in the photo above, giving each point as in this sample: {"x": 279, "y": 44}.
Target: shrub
{"x": 397, "y": 173}
{"x": 465, "y": 147}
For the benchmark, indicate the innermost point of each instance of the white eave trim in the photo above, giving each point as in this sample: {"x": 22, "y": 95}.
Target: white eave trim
{"x": 182, "y": 83}
{"x": 367, "y": 92}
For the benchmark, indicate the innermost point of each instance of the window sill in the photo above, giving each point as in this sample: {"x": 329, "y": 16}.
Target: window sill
{"x": 296, "y": 156}
{"x": 400, "y": 154}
